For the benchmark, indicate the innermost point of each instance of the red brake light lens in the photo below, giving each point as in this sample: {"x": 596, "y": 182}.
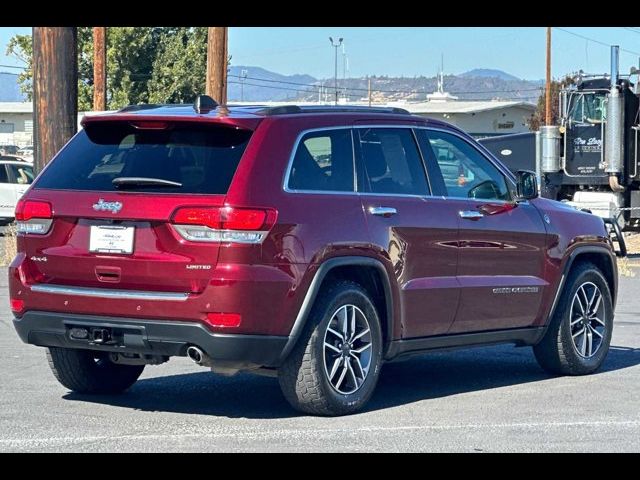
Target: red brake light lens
{"x": 226, "y": 218}
{"x": 28, "y": 209}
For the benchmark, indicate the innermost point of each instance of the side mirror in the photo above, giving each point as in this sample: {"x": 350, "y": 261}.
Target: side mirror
{"x": 526, "y": 185}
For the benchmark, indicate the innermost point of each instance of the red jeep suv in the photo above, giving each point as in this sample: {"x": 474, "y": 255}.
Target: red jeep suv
{"x": 311, "y": 243}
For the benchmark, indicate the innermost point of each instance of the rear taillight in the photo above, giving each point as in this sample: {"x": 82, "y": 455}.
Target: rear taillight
{"x": 223, "y": 224}
{"x": 17, "y": 305}
{"x": 33, "y": 216}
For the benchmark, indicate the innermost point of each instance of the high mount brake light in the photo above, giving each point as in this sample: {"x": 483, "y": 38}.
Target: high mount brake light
{"x": 223, "y": 224}
{"x": 150, "y": 125}
{"x": 33, "y": 216}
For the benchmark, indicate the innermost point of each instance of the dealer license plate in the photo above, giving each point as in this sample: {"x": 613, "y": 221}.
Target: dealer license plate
{"x": 111, "y": 239}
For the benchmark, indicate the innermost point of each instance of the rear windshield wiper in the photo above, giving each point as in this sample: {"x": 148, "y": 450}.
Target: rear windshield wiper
{"x": 144, "y": 182}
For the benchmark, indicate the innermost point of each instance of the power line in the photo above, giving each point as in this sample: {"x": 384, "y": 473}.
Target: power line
{"x": 595, "y": 41}
{"x": 13, "y": 66}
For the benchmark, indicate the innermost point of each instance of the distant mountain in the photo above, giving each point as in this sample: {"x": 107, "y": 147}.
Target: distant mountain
{"x": 259, "y": 85}
{"x": 9, "y": 88}
{"x": 262, "y": 85}
{"x": 489, "y": 73}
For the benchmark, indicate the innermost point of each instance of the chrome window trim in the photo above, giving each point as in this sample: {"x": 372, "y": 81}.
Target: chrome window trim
{"x": 285, "y": 183}
{"x": 109, "y": 293}
{"x": 507, "y": 174}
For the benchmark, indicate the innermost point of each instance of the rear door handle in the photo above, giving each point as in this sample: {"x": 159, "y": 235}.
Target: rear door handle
{"x": 382, "y": 211}
{"x": 470, "y": 214}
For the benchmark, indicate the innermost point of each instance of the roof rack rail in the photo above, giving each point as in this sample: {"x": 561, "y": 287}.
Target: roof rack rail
{"x": 354, "y": 109}
{"x": 281, "y": 110}
{"x": 291, "y": 109}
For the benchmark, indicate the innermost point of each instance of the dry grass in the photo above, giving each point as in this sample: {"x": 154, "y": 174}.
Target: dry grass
{"x": 625, "y": 267}
{"x": 633, "y": 243}
{"x": 10, "y": 246}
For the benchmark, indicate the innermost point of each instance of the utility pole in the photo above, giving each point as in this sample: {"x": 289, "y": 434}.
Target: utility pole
{"x": 547, "y": 105}
{"x": 99, "y": 68}
{"x": 243, "y": 77}
{"x": 335, "y": 71}
{"x": 55, "y": 90}
{"x": 345, "y": 66}
{"x": 369, "y": 91}
{"x": 217, "y": 64}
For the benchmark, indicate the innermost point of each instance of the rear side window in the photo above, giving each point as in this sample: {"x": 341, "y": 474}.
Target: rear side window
{"x": 323, "y": 162}
{"x": 3, "y": 174}
{"x": 392, "y": 162}
{"x": 202, "y": 159}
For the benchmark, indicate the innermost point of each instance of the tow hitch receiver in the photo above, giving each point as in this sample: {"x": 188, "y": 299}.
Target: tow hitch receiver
{"x": 100, "y": 335}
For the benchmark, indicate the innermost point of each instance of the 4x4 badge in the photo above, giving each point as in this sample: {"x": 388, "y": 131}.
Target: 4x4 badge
{"x": 102, "y": 206}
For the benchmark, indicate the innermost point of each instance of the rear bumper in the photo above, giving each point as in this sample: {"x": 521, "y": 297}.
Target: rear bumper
{"x": 151, "y": 337}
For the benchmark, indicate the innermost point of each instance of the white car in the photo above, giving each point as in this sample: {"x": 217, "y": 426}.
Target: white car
{"x": 26, "y": 153}
{"x": 15, "y": 178}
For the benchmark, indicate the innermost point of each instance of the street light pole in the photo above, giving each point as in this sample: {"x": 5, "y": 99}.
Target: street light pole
{"x": 335, "y": 72}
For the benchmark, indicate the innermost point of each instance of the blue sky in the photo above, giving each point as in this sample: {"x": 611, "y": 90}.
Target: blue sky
{"x": 416, "y": 51}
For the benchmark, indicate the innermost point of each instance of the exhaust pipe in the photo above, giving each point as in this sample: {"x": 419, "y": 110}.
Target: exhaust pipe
{"x": 614, "y": 127}
{"x": 197, "y": 355}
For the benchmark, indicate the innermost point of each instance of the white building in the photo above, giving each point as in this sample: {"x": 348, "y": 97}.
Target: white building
{"x": 479, "y": 118}
{"x": 16, "y": 123}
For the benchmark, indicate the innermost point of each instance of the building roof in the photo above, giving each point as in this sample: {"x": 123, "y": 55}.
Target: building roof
{"x": 16, "y": 107}
{"x": 464, "y": 106}
{"x": 457, "y": 106}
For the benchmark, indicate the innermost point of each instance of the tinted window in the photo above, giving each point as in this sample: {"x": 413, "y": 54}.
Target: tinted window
{"x": 323, "y": 161}
{"x": 22, "y": 174}
{"x": 392, "y": 162}
{"x": 465, "y": 171}
{"x": 3, "y": 174}
{"x": 201, "y": 158}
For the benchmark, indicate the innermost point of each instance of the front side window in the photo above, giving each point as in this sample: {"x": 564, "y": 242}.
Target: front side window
{"x": 323, "y": 162}
{"x": 392, "y": 162}
{"x": 465, "y": 171}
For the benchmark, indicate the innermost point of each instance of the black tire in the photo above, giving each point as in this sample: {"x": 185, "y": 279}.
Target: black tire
{"x": 556, "y": 352}
{"x": 86, "y": 371}
{"x": 304, "y": 380}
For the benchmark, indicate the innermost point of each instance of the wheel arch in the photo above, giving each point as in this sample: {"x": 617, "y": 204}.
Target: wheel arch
{"x": 366, "y": 271}
{"x": 599, "y": 256}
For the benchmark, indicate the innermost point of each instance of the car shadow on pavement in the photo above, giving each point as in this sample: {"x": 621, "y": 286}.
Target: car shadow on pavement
{"x": 425, "y": 377}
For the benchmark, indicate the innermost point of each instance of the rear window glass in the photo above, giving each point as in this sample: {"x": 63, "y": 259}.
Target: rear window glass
{"x": 201, "y": 159}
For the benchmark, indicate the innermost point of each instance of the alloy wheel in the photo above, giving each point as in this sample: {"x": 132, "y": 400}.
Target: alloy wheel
{"x": 347, "y": 349}
{"x": 587, "y": 320}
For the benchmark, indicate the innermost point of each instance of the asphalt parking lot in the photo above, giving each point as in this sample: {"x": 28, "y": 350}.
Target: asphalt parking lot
{"x": 480, "y": 400}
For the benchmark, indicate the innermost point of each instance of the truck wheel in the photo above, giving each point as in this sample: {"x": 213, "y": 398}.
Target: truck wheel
{"x": 334, "y": 367}
{"x": 578, "y": 337}
{"x": 85, "y": 371}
